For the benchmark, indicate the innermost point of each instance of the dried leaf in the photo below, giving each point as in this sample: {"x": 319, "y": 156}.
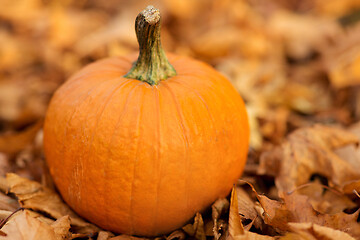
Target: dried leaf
{"x": 127, "y": 237}
{"x": 235, "y": 225}
{"x": 14, "y": 143}
{"x": 352, "y": 155}
{"x": 33, "y": 195}
{"x": 318, "y": 232}
{"x": 308, "y": 151}
{"x": 297, "y": 208}
{"x": 302, "y": 34}
{"x": 236, "y": 229}
{"x": 24, "y": 227}
{"x": 246, "y": 207}
{"x": 8, "y": 203}
{"x": 176, "y": 235}
{"x": 343, "y": 59}
{"x": 61, "y": 227}
{"x": 103, "y": 235}
{"x": 351, "y": 186}
{"x": 196, "y": 229}
{"x": 325, "y": 199}
{"x": 220, "y": 206}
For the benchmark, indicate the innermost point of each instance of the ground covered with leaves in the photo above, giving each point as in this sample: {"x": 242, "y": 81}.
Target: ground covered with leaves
{"x": 296, "y": 64}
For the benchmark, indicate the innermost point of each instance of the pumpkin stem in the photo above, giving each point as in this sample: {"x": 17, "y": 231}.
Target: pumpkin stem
{"x": 152, "y": 64}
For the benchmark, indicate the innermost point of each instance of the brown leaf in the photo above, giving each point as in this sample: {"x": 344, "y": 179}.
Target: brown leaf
{"x": 343, "y": 59}
{"x": 351, "y": 187}
{"x": 196, "y": 229}
{"x": 297, "y": 208}
{"x": 33, "y": 195}
{"x": 235, "y": 225}
{"x": 127, "y": 237}
{"x": 221, "y": 205}
{"x": 236, "y": 229}
{"x": 176, "y": 235}
{"x": 24, "y": 227}
{"x": 8, "y": 203}
{"x": 252, "y": 236}
{"x": 246, "y": 207}
{"x": 307, "y": 151}
{"x": 308, "y": 230}
{"x": 103, "y": 235}
{"x": 16, "y": 142}
{"x": 302, "y": 34}
{"x": 351, "y": 154}
{"x": 61, "y": 227}
{"x": 324, "y": 199}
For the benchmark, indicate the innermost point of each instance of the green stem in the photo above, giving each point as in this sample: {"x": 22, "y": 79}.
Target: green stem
{"x": 152, "y": 65}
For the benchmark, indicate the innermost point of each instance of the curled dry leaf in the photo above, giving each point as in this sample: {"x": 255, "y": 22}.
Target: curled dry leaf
{"x": 220, "y": 206}
{"x": 7, "y": 203}
{"x": 298, "y": 34}
{"x": 314, "y": 231}
{"x": 236, "y": 229}
{"x": 235, "y": 225}
{"x": 324, "y": 199}
{"x": 127, "y": 237}
{"x": 307, "y": 151}
{"x": 196, "y": 229}
{"x": 297, "y": 208}
{"x": 351, "y": 154}
{"x": 103, "y": 235}
{"x": 246, "y": 207}
{"x": 33, "y": 195}
{"x": 13, "y": 143}
{"x": 343, "y": 60}
{"x": 335, "y": 8}
{"x": 176, "y": 235}
{"x": 22, "y": 226}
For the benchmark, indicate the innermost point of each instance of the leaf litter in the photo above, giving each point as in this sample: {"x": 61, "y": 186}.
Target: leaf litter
{"x": 296, "y": 64}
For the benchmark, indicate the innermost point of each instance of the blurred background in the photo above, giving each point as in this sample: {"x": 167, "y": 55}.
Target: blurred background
{"x": 295, "y": 62}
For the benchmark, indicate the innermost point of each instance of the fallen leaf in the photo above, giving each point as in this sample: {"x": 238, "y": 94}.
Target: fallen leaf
{"x": 127, "y": 237}
{"x": 335, "y": 8}
{"x": 103, "y": 235}
{"x": 33, "y": 195}
{"x": 297, "y": 208}
{"x": 196, "y": 229}
{"x": 176, "y": 235}
{"x": 236, "y": 229}
{"x": 8, "y": 203}
{"x": 13, "y": 143}
{"x": 308, "y": 230}
{"x": 351, "y": 154}
{"x": 24, "y": 227}
{"x": 325, "y": 199}
{"x": 246, "y": 207}
{"x": 219, "y": 207}
{"x": 235, "y": 225}
{"x": 342, "y": 59}
{"x": 302, "y": 34}
{"x": 61, "y": 227}
{"x": 307, "y": 151}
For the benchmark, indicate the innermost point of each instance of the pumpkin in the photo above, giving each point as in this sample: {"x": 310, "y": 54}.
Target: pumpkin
{"x": 140, "y": 148}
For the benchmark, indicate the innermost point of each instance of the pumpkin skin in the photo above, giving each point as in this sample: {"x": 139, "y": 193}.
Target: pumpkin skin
{"x": 140, "y": 159}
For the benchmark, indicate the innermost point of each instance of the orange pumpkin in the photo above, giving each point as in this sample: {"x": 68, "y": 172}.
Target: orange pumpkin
{"x": 142, "y": 157}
